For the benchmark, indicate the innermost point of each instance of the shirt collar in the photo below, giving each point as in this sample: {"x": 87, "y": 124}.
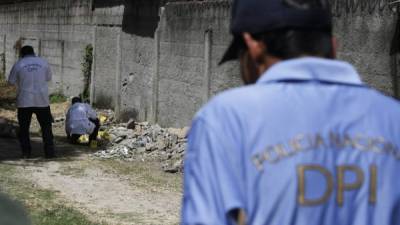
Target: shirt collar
{"x": 312, "y": 69}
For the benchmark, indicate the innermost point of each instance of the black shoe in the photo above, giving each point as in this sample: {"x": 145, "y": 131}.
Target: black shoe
{"x": 26, "y": 155}
{"x": 49, "y": 152}
{"x": 50, "y": 156}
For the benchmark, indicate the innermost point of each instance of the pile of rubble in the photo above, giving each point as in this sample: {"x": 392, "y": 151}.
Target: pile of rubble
{"x": 144, "y": 141}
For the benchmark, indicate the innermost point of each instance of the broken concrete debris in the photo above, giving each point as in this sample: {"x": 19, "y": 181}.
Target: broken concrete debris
{"x": 131, "y": 124}
{"x": 147, "y": 142}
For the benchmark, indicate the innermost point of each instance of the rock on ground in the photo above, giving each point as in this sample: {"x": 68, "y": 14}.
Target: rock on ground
{"x": 143, "y": 140}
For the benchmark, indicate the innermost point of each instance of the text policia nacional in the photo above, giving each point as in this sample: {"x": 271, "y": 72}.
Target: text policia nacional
{"x": 334, "y": 141}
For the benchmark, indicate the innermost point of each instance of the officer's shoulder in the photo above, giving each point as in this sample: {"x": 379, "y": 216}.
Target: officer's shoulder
{"x": 230, "y": 101}
{"x": 384, "y": 102}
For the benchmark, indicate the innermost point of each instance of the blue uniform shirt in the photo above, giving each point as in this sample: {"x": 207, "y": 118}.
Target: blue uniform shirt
{"x": 308, "y": 144}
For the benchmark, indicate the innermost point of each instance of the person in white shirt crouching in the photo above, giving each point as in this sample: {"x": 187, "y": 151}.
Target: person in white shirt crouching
{"x": 81, "y": 119}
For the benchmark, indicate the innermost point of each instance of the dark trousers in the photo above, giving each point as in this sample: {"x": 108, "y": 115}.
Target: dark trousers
{"x": 93, "y": 136}
{"x": 43, "y": 115}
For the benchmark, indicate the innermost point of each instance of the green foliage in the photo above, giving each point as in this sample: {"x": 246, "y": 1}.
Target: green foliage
{"x": 87, "y": 63}
{"x": 60, "y": 215}
{"x": 3, "y": 82}
{"x": 57, "y": 98}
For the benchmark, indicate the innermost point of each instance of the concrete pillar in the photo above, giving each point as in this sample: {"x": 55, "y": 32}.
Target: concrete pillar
{"x": 156, "y": 77}
{"x": 117, "y": 94}
{"x": 18, "y": 31}
{"x": 91, "y": 12}
{"x": 62, "y": 43}
{"x": 19, "y": 6}
{"x": 4, "y": 64}
{"x": 56, "y": 9}
{"x": 156, "y": 74}
{"x": 93, "y": 75}
{"x": 207, "y": 65}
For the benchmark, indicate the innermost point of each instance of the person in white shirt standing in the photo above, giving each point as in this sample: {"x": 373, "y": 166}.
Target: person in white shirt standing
{"x": 31, "y": 75}
{"x": 81, "y": 119}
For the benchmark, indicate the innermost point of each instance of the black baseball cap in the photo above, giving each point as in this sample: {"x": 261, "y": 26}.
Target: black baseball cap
{"x": 258, "y": 16}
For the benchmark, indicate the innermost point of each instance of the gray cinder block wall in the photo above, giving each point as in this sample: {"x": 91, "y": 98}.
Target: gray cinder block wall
{"x": 365, "y": 32}
{"x": 160, "y": 63}
{"x": 125, "y": 56}
{"x": 138, "y": 59}
{"x": 107, "y": 22}
{"x": 192, "y": 38}
{"x": 59, "y": 30}
{"x": 157, "y": 61}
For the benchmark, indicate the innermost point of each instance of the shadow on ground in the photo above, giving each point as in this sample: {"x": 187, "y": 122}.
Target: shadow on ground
{"x": 10, "y": 150}
{"x": 9, "y": 147}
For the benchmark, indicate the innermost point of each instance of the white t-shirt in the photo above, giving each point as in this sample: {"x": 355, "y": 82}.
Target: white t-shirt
{"x": 77, "y": 119}
{"x": 31, "y": 74}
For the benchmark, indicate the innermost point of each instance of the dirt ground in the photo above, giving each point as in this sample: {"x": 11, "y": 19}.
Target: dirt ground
{"x": 106, "y": 191}
{"x": 112, "y": 191}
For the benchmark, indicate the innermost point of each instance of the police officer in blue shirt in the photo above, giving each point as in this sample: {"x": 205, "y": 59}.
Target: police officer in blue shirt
{"x": 305, "y": 142}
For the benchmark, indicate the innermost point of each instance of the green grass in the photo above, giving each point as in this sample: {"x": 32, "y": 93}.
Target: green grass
{"x": 60, "y": 215}
{"x": 43, "y": 205}
{"x": 57, "y": 98}
{"x": 145, "y": 173}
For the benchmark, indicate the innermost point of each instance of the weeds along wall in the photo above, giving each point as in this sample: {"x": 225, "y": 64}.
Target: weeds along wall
{"x": 59, "y": 30}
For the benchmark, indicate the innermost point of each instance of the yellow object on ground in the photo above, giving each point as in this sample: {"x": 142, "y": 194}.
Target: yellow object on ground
{"x": 103, "y": 135}
{"x": 102, "y": 119}
{"x": 93, "y": 144}
{"x": 83, "y": 139}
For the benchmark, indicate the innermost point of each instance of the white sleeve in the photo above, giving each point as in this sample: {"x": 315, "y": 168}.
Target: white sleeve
{"x": 213, "y": 176}
{"x": 91, "y": 113}
{"x": 67, "y": 121}
{"x": 13, "y": 77}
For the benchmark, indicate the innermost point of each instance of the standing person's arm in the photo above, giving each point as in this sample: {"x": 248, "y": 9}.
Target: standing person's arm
{"x": 213, "y": 183}
{"x": 68, "y": 121}
{"x": 13, "y": 77}
{"x": 90, "y": 112}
